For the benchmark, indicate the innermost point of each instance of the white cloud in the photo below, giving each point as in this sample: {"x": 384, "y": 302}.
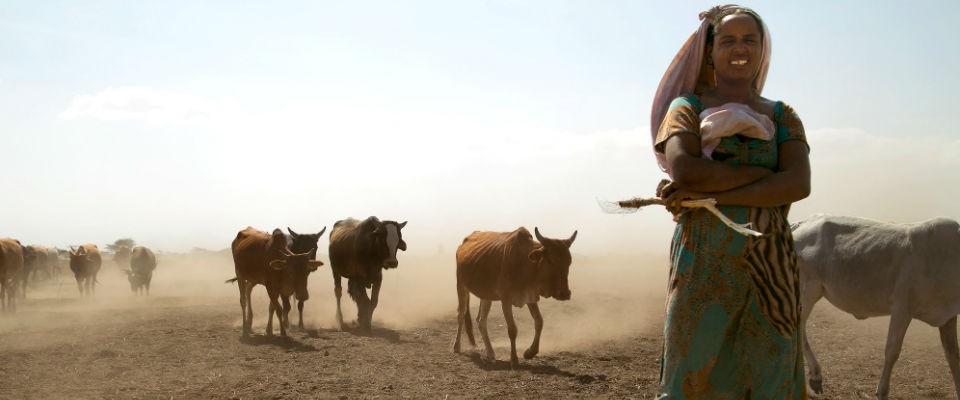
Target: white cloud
{"x": 144, "y": 103}
{"x": 901, "y": 178}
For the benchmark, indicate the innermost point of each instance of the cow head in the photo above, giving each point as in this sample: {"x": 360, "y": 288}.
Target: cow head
{"x": 553, "y": 261}
{"x": 136, "y": 280}
{"x": 296, "y": 268}
{"x": 387, "y": 239}
{"x": 303, "y": 243}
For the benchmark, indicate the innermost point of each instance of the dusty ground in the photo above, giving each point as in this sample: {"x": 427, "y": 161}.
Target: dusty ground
{"x": 184, "y": 341}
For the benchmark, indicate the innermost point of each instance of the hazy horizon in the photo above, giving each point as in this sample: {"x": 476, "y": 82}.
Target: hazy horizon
{"x": 178, "y": 124}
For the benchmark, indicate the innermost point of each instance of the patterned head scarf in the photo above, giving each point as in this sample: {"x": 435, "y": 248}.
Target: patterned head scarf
{"x": 688, "y": 73}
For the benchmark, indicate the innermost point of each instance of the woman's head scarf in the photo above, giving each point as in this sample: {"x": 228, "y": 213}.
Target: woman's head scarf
{"x": 688, "y": 73}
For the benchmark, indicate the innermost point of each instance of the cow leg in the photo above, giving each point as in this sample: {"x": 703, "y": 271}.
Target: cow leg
{"x": 482, "y": 324}
{"x": 948, "y": 338}
{"x": 507, "y": 306}
{"x": 248, "y": 321}
{"x": 811, "y": 294}
{"x": 285, "y": 320}
{"x": 243, "y": 304}
{"x": 359, "y": 294}
{"x": 274, "y": 309}
{"x": 899, "y": 321}
{"x": 463, "y": 316}
{"x": 300, "y": 314}
{"x": 538, "y": 326}
{"x": 374, "y": 299}
{"x": 338, "y": 292}
{"x": 80, "y": 285}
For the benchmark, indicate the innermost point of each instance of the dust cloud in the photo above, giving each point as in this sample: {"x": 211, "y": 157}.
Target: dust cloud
{"x": 613, "y": 297}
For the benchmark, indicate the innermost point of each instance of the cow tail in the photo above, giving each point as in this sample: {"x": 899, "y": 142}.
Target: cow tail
{"x": 231, "y": 280}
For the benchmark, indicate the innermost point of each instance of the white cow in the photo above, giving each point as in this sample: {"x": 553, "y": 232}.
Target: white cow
{"x": 869, "y": 268}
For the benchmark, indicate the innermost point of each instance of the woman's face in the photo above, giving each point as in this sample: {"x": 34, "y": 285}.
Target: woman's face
{"x": 736, "y": 49}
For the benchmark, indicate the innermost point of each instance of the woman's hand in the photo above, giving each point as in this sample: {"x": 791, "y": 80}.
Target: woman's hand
{"x": 673, "y": 196}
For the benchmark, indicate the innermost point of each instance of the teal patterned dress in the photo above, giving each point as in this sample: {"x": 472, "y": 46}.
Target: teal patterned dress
{"x": 732, "y": 328}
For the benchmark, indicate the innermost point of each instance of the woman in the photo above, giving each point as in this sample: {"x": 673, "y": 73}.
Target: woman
{"x": 733, "y": 307}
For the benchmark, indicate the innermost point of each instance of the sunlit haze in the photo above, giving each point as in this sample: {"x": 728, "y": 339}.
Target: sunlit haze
{"x": 177, "y": 123}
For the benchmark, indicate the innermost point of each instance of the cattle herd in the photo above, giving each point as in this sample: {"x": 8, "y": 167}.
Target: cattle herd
{"x": 863, "y": 267}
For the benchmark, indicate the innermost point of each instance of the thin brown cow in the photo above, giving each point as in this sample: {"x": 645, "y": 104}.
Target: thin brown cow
{"x": 85, "y": 264}
{"x": 516, "y": 270}
{"x": 264, "y": 259}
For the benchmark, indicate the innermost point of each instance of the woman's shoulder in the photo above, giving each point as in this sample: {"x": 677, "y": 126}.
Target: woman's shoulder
{"x": 776, "y": 109}
{"x": 687, "y": 100}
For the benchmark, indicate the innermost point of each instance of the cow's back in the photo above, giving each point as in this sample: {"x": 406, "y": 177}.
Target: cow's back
{"x": 142, "y": 260}
{"x": 489, "y": 263}
{"x": 11, "y": 259}
{"x": 250, "y": 254}
{"x": 342, "y": 249}
{"x": 863, "y": 264}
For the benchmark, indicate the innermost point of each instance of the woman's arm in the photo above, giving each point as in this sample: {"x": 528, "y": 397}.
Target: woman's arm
{"x": 691, "y": 172}
{"x": 790, "y": 184}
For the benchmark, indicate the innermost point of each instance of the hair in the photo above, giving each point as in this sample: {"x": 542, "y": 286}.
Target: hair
{"x": 716, "y": 15}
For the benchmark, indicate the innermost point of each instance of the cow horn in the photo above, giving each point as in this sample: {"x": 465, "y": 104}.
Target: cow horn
{"x": 292, "y": 233}
{"x": 572, "y": 238}
{"x": 285, "y": 251}
{"x": 322, "y": 231}
{"x": 536, "y": 231}
{"x": 402, "y": 224}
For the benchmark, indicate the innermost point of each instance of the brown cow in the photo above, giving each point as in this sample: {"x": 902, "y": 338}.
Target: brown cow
{"x": 85, "y": 263}
{"x": 516, "y": 270}
{"x": 260, "y": 258}
{"x": 11, "y": 266}
{"x": 142, "y": 264}
{"x": 34, "y": 261}
{"x": 121, "y": 255}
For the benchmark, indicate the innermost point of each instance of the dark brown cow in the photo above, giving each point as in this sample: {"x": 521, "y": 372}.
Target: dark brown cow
{"x": 142, "y": 264}
{"x": 301, "y": 243}
{"x": 360, "y": 251}
{"x": 11, "y": 266}
{"x": 260, "y": 258}
{"x": 85, "y": 264}
{"x": 34, "y": 261}
{"x": 121, "y": 256}
{"x": 516, "y": 270}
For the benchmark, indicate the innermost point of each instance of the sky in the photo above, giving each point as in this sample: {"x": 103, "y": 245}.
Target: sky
{"x": 178, "y": 123}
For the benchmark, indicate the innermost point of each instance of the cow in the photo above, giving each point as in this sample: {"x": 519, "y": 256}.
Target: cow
{"x": 360, "y": 251}
{"x": 85, "y": 263}
{"x": 121, "y": 255}
{"x": 53, "y": 263}
{"x": 516, "y": 270}
{"x": 11, "y": 266}
{"x": 301, "y": 243}
{"x": 142, "y": 264}
{"x": 34, "y": 260}
{"x": 869, "y": 268}
{"x": 264, "y": 259}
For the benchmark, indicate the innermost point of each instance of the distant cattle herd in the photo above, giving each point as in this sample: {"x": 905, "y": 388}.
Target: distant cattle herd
{"x": 866, "y": 268}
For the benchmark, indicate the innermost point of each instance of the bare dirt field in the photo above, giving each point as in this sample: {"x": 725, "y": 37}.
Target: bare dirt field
{"x": 183, "y": 341}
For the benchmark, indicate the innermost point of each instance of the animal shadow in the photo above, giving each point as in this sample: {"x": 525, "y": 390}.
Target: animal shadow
{"x": 504, "y": 365}
{"x": 284, "y": 342}
{"x": 389, "y": 335}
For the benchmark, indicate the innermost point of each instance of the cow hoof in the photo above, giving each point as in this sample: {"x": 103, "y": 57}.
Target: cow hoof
{"x": 456, "y": 348}
{"x": 530, "y": 353}
{"x": 514, "y": 363}
{"x": 816, "y": 385}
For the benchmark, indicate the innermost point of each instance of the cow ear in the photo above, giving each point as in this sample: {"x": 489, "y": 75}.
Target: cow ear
{"x": 312, "y": 265}
{"x": 278, "y": 264}
{"x": 535, "y": 255}
{"x": 402, "y": 245}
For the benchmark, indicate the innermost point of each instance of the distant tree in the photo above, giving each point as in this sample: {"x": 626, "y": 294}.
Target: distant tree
{"x": 126, "y": 242}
